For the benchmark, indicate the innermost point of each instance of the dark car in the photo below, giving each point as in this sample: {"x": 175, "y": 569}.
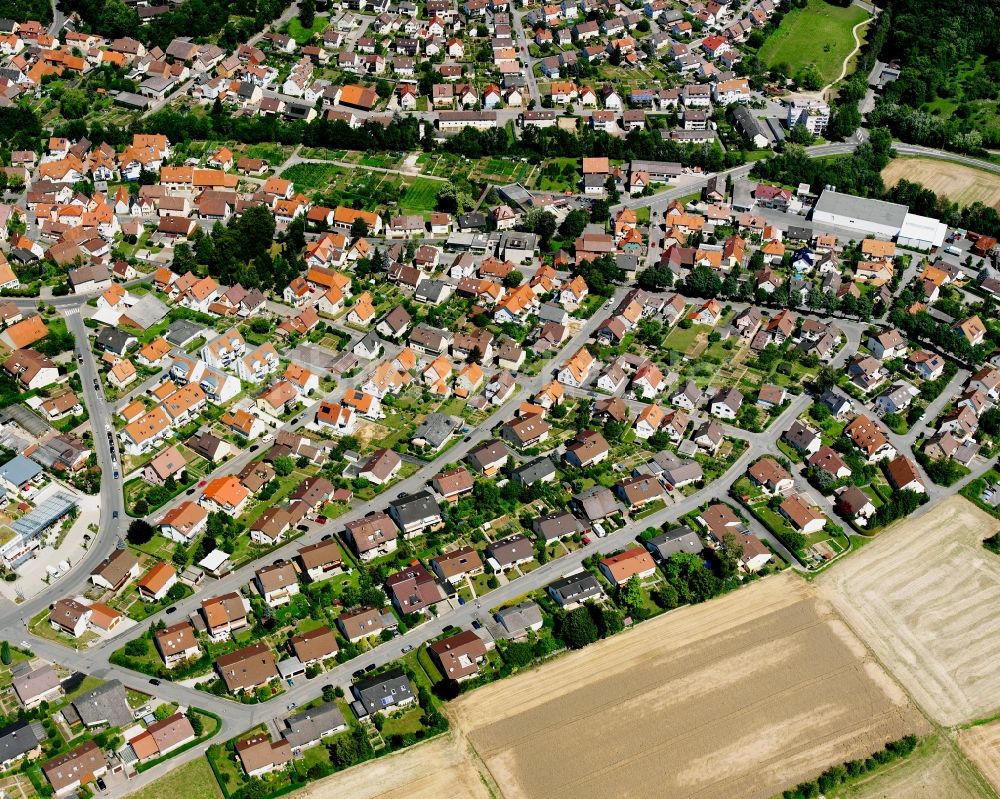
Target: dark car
{"x": 101, "y": 784}
{"x": 255, "y": 447}
{"x": 303, "y": 527}
{"x": 327, "y": 537}
{"x": 189, "y": 492}
{"x": 114, "y": 514}
{"x": 370, "y": 667}
{"x": 358, "y": 674}
{"x": 172, "y": 609}
{"x": 448, "y": 628}
{"x": 154, "y": 681}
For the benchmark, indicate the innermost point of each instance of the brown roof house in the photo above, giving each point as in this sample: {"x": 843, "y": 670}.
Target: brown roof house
{"x": 358, "y": 624}
{"x": 413, "y": 589}
{"x": 177, "y": 643}
{"x": 458, "y": 564}
{"x": 770, "y": 476}
{"x": 459, "y": 655}
{"x": 315, "y": 645}
{"x": 372, "y": 536}
{"x": 259, "y": 755}
{"x": 247, "y": 668}
{"x": 277, "y": 583}
{"x": 224, "y": 615}
{"x": 75, "y": 768}
{"x": 116, "y": 570}
{"x": 802, "y": 515}
{"x": 322, "y": 560}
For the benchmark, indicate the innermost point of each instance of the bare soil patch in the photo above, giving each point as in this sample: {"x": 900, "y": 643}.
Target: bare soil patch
{"x": 934, "y": 771}
{"x": 740, "y": 697}
{"x": 925, "y": 597}
{"x": 438, "y": 769}
{"x": 963, "y": 184}
{"x": 982, "y": 746}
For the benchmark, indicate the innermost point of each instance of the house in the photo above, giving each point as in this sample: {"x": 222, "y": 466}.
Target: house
{"x": 277, "y": 583}
{"x": 31, "y": 369}
{"x": 458, "y": 656}
{"x": 557, "y": 526}
{"x": 726, "y": 404}
{"x": 70, "y": 617}
{"x": 162, "y": 737}
{"x": 247, "y": 668}
{"x": 115, "y": 571}
{"x": 453, "y": 484}
{"x": 259, "y": 755}
{"x": 77, "y": 767}
{"x": 457, "y": 565}
{"x": 321, "y": 561}
{"x": 372, "y": 536}
{"x": 383, "y": 693}
{"x": 19, "y": 742}
{"x": 157, "y": 582}
{"x": 888, "y": 344}
{"x": 358, "y": 624}
{"x": 679, "y": 539}
{"x": 770, "y": 476}
{"x": 639, "y": 491}
{"x": 596, "y": 503}
{"x": 972, "y": 330}
{"x": 309, "y": 727}
{"x": 903, "y": 475}
{"x": 510, "y": 552}
{"x": 634, "y": 562}
{"x": 489, "y": 457}
{"x": 381, "y": 467}
{"x": 413, "y": 589}
{"x": 855, "y": 504}
{"x": 177, "y": 644}
{"x": 829, "y": 460}
{"x": 104, "y": 705}
{"x": 572, "y": 591}
{"x": 587, "y": 448}
{"x": 224, "y": 615}
{"x": 720, "y": 520}
{"x": 36, "y": 686}
{"x": 539, "y": 470}
{"x": 415, "y": 513}
{"x": 868, "y": 437}
{"x": 803, "y": 516}
{"x": 315, "y": 645}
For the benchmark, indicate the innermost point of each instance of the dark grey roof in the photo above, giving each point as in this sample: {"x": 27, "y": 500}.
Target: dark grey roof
{"x": 680, "y": 539}
{"x": 19, "y": 470}
{"x": 533, "y": 471}
{"x": 383, "y": 691}
{"x": 414, "y": 507}
{"x": 520, "y": 617}
{"x": 182, "y": 331}
{"x": 18, "y": 739}
{"x": 436, "y": 429}
{"x": 104, "y": 705}
{"x": 432, "y": 291}
{"x": 575, "y": 588}
{"x": 311, "y": 725}
{"x": 115, "y": 340}
{"x": 557, "y": 525}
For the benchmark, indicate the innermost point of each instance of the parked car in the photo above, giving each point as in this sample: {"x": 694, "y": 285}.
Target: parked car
{"x": 407, "y": 648}
{"x": 370, "y": 667}
{"x": 101, "y": 784}
{"x": 154, "y": 681}
{"x": 114, "y": 514}
{"x": 357, "y": 675}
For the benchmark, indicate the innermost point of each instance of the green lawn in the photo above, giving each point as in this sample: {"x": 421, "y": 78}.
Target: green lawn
{"x": 818, "y": 35}
{"x": 310, "y": 177}
{"x": 302, "y": 35}
{"x": 421, "y": 195}
{"x": 681, "y": 340}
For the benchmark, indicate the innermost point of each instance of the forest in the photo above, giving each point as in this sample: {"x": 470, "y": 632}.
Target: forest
{"x": 949, "y": 85}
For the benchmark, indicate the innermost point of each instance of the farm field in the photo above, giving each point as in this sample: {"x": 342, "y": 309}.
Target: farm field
{"x": 982, "y": 746}
{"x": 438, "y": 769}
{"x": 962, "y": 184}
{"x": 193, "y": 780}
{"x": 924, "y": 596}
{"x": 740, "y": 697}
{"x": 818, "y": 35}
{"x": 421, "y": 195}
{"x": 934, "y": 770}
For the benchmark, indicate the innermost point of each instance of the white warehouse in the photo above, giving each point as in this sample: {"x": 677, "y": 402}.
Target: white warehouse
{"x": 878, "y": 218}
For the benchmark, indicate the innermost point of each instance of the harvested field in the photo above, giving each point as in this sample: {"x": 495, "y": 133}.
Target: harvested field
{"x": 439, "y": 769}
{"x": 740, "y": 697}
{"x": 934, "y": 771}
{"x": 963, "y": 184}
{"x": 982, "y": 746}
{"x": 925, "y": 597}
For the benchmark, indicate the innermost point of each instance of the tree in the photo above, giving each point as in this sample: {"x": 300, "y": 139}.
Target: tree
{"x": 307, "y": 13}
{"x": 359, "y": 229}
{"x": 578, "y": 629}
{"x": 5, "y": 653}
{"x": 74, "y": 104}
{"x": 574, "y": 224}
{"x": 283, "y": 465}
{"x": 630, "y": 594}
{"x": 656, "y": 278}
{"x": 513, "y": 279}
{"x": 139, "y": 532}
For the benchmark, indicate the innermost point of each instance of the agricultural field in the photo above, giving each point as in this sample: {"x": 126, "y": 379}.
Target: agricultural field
{"x": 818, "y": 35}
{"x": 311, "y": 177}
{"x": 981, "y": 745}
{"x": 743, "y": 696}
{"x": 421, "y": 195}
{"x": 934, "y": 770}
{"x": 962, "y": 184}
{"x": 438, "y": 769}
{"x": 924, "y": 596}
{"x": 193, "y": 780}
